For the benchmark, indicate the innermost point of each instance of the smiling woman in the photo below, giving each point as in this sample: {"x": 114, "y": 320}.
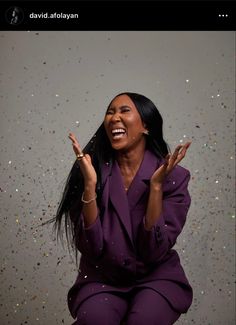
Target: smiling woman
{"x": 125, "y": 203}
{"x": 124, "y": 126}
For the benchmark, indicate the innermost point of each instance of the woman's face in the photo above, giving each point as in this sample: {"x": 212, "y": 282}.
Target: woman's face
{"x": 123, "y": 124}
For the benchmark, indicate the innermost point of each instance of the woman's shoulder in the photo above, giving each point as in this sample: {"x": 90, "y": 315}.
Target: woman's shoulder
{"x": 180, "y": 171}
{"x": 177, "y": 180}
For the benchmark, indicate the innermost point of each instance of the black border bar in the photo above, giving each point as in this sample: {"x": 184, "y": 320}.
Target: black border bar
{"x": 119, "y": 15}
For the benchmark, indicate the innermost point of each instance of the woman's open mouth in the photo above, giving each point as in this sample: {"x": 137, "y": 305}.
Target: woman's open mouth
{"x": 118, "y": 133}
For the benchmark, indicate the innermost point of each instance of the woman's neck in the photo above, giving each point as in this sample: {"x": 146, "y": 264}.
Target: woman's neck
{"x": 129, "y": 162}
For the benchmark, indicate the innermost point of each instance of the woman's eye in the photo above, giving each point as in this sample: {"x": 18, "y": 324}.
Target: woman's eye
{"x": 108, "y": 112}
{"x": 125, "y": 110}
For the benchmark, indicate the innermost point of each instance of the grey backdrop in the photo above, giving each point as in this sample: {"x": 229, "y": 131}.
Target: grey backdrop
{"x": 56, "y": 82}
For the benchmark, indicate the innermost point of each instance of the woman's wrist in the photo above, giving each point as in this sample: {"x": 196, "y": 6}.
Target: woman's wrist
{"x": 89, "y": 186}
{"x": 156, "y": 186}
{"x": 89, "y": 193}
{"x": 88, "y": 201}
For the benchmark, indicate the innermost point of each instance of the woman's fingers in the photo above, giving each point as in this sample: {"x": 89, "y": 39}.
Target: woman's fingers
{"x": 88, "y": 158}
{"x": 73, "y": 138}
{"x": 75, "y": 143}
{"x": 177, "y": 155}
{"x": 182, "y": 153}
{"x": 171, "y": 160}
{"x": 174, "y": 157}
{"x": 167, "y": 159}
{"x": 85, "y": 162}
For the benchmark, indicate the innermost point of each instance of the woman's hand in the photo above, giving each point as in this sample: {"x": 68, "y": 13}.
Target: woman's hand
{"x": 170, "y": 162}
{"x": 86, "y": 167}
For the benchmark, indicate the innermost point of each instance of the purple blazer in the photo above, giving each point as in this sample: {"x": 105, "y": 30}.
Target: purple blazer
{"x": 118, "y": 253}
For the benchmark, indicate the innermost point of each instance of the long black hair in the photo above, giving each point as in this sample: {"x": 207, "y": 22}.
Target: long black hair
{"x": 100, "y": 150}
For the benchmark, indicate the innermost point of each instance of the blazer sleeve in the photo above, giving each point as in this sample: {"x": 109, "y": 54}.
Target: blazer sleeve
{"x": 89, "y": 239}
{"x": 154, "y": 244}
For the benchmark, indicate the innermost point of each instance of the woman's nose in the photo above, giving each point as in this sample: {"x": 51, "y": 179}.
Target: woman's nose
{"x": 115, "y": 117}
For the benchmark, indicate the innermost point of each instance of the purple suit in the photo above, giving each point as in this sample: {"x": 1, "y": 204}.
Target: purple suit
{"x": 118, "y": 254}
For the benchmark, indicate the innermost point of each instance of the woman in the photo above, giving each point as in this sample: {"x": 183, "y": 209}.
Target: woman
{"x": 126, "y": 201}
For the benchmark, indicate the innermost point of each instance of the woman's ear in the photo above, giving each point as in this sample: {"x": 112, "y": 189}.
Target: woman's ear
{"x": 146, "y": 130}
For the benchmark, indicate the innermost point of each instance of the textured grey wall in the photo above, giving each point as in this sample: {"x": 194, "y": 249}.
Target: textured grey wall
{"x": 56, "y": 82}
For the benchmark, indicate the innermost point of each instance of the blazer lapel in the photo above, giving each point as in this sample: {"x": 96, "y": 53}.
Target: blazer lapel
{"x": 119, "y": 199}
{"x": 124, "y": 202}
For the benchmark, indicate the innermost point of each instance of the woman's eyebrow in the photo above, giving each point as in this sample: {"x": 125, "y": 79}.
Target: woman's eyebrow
{"x": 123, "y": 106}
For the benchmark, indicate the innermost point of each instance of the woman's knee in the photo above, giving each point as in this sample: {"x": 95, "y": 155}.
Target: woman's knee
{"x": 101, "y": 309}
{"x": 148, "y": 307}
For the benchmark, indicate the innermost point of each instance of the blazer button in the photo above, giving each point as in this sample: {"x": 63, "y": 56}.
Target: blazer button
{"x": 126, "y": 262}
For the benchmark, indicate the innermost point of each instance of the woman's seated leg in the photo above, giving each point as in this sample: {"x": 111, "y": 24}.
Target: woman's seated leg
{"x": 150, "y": 308}
{"x": 102, "y": 309}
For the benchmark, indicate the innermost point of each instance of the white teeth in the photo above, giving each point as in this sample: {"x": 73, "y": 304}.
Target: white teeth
{"x": 118, "y": 135}
{"x": 118, "y": 131}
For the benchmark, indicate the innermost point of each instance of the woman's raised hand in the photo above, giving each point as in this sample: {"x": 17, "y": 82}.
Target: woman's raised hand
{"x": 85, "y": 163}
{"x": 170, "y": 162}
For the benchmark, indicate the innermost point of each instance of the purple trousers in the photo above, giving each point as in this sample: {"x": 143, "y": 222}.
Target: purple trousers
{"x": 140, "y": 307}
